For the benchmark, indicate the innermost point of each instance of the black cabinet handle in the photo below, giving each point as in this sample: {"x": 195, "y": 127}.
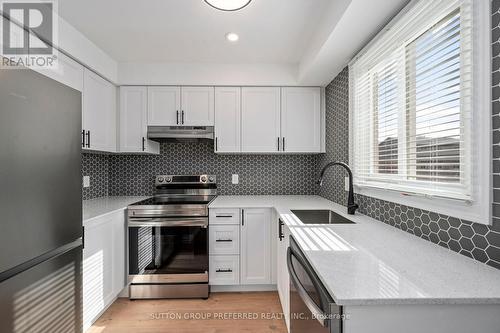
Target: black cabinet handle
{"x": 215, "y": 143}
{"x": 182, "y": 117}
{"x": 242, "y": 217}
{"x": 223, "y": 216}
{"x": 283, "y": 144}
{"x": 278, "y": 144}
{"x": 88, "y": 139}
{"x": 280, "y": 230}
{"x": 83, "y": 138}
{"x": 143, "y": 143}
{"x": 223, "y": 240}
{"x": 177, "y": 112}
{"x": 224, "y": 271}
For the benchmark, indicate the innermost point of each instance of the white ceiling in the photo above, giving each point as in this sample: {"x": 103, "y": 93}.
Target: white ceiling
{"x": 190, "y": 31}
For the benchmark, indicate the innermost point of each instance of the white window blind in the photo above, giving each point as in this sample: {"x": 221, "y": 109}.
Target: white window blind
{"x": 411, "y": 102}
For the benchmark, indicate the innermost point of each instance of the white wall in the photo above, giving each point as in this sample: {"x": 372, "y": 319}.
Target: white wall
{"x": 85, "y": 51}
{"x": 206, "y": 74}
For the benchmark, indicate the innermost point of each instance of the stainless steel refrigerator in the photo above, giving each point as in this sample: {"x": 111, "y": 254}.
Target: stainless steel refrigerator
{"x": 40, "y": 204}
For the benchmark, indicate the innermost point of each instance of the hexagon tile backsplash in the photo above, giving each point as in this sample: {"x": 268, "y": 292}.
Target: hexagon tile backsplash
{"x": 258, "y": 174}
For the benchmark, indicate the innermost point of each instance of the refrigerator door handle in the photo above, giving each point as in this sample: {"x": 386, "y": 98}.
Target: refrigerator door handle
{"x": 5, "y": 275}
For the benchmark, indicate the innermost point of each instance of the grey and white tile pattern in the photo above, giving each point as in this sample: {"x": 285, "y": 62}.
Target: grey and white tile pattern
{"x": 474, "y": 240}
{"x": 495, "y": 92}
{"x": 258, "y": 174}
{"x": 337, "y": 138}
{"x": 97, "y": 167}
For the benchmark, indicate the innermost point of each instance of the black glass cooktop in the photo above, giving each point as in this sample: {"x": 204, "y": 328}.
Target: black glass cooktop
{"x": 175, "y": 200}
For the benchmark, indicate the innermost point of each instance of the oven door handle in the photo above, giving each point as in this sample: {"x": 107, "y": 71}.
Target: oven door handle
{"x": 171, "y": 222}
{"x": 309, "y": 303}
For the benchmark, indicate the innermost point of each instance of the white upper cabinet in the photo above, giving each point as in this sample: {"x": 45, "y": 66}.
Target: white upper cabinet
{"x": 300, "y": 119}
{"x": 99, "y": 113}
{"x": 176, "y": 106}
{"x": 260, "y": 119}
{"x": 227, "y": 119}
{"x": 133, "y": 121}
{"x": 256, "y": 246}
{"x": 197, "y": 106}
{"x": 164, "y": 106}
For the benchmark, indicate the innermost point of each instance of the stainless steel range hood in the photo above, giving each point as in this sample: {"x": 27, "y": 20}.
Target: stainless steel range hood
{"x": 181, "y": 132}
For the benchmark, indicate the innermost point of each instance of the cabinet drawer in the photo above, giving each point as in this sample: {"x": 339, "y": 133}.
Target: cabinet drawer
{"x": 224, "y": 239}
{"x": 224, "y": 270}
{"x": 224, "y": 216}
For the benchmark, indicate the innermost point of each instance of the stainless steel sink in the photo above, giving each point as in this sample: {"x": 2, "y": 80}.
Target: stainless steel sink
{"x": 320, "y": 217}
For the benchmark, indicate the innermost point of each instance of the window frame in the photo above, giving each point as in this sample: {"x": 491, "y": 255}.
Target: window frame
{"x": 478, "y": 207}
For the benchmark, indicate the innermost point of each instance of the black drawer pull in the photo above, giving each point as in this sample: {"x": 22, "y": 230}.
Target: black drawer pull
{"x": 280, "y": 230}
{"x": 223, "y": 216}
{"x": 223, "y": 240}
{"x": 224, "y": 271}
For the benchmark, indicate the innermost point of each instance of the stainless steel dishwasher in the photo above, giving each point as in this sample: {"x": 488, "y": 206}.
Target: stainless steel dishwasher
{"x": 312, "y": 309}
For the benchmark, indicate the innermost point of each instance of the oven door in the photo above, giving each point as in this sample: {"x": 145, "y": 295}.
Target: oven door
{"x": 168, "y": 250}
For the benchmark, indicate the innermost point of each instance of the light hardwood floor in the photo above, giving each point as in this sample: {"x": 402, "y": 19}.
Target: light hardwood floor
{"x": 262, "y": 310}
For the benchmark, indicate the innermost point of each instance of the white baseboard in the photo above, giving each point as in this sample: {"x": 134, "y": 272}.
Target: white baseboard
{"x": 240, "y": 288}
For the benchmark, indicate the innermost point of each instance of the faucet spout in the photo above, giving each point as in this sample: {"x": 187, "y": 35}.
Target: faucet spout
{"x": 351, "y": 205}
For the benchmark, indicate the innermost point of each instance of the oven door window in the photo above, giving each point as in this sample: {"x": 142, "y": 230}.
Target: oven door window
{"x": 168, "y": 250}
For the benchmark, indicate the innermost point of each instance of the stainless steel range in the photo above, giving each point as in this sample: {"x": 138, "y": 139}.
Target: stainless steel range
{"x": 168, "y": 239}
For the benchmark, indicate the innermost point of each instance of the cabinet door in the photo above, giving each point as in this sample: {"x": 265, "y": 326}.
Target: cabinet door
{"x": 255, "y": 243}
{"x": 99, "y": 112}
{"x": 283, "y": 279}
{"x": 133, "y": 122}
{"x": 301, "y": 119}
{"x": 260, "y": 119}
{"x": 118, "y": 253}
{"x": 104, "y": 272}
{"x": 133, "y": 114}
{"x": 227, "y": 119}
{"x": 97, "y": 269}
{"x": 164, "y": 106}
{"x": 197, "y": 106}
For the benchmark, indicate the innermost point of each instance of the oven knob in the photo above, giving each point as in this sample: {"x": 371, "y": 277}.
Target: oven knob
{"x": 203, "y": 179}
{"x": 168, "y": 179}
{"x": 160, "y": 179}
{"x": 211, "y": 179}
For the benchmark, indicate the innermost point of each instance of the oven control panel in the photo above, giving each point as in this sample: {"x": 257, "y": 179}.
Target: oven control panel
{"x": 185, "y": 179}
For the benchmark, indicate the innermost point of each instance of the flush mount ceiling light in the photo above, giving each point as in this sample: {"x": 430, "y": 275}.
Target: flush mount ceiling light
{"x": 232, "y": 37}
{"x": 228, "y": 5}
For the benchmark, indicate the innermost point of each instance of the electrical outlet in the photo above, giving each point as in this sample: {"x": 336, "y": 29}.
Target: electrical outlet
{"x": 235, "y": 179}
{"x": 346, "y": 183}
{"x": 86, "y": 181}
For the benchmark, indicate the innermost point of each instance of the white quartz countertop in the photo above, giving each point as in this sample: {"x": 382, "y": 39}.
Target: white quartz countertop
{"x": 98, "y": 207}
{"x": 371, "y": 263}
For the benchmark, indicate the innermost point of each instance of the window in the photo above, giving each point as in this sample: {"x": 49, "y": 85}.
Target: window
{"x": 411, "y": 101}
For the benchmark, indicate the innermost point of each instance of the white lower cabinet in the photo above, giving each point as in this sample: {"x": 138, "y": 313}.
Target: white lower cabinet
{"x": 240, "y": 247}
{"x": 224, "y": 270}
{"x": 224, "y": 239}
{"x": 103, "y": 264}
{"x": 255, "y": 251}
